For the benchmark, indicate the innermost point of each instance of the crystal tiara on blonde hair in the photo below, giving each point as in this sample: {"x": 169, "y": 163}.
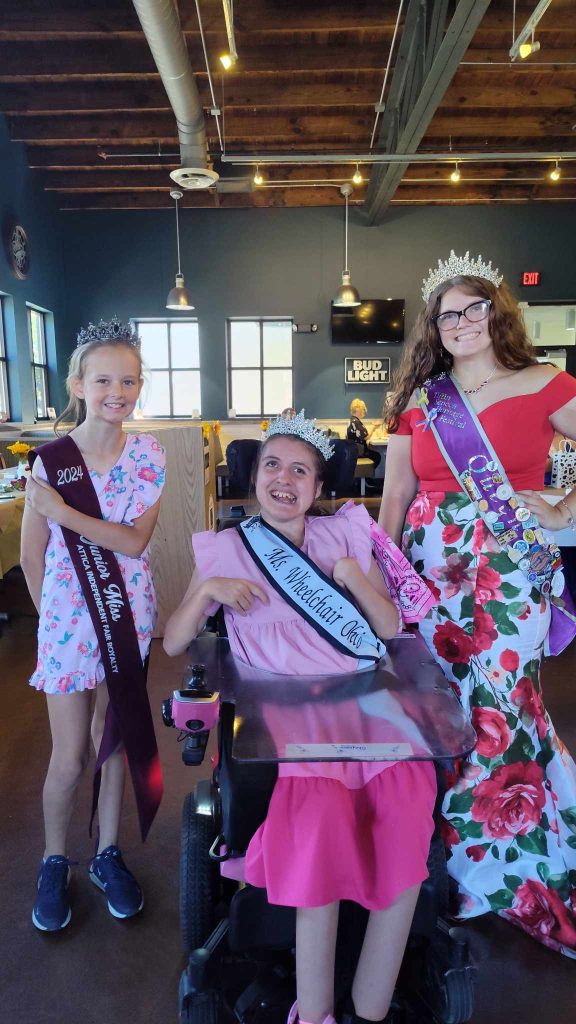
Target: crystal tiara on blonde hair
{"x": 459, "y": 266}
{"x": 303, "y": 429}
{"x": 109, "y": 330}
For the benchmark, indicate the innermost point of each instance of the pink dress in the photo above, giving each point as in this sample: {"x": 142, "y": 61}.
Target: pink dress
{"x": 327, "y": 833}
{"x": 68, "y": 653}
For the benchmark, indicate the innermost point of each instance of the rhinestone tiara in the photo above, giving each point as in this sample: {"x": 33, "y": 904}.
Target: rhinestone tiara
{"x": 305, "y": 429}
{"x": 109, "y": 330}
{"x": 459, "y": 266}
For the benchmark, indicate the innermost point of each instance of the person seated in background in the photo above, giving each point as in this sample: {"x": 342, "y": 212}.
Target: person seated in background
{"x": 288, "y": 413}
{"x": 360, "y": 434}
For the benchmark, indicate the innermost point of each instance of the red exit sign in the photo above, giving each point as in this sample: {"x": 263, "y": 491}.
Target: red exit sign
{"x": 531, "y": 277}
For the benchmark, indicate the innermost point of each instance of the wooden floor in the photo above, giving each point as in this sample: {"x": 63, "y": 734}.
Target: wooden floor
{"x": 103, "y": 971}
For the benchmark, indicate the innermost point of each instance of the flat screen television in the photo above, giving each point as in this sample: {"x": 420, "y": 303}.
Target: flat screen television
{"x": 373, "y": 322}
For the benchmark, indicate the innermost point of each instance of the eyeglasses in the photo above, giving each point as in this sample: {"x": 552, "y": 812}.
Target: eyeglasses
{"x": 475, "y": 312}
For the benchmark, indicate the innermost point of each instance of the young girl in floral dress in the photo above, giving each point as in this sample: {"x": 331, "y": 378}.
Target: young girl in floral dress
{"x": 122, "y": 476}
{"x": 333, "y": 831}
{"x": 510, "y": 809}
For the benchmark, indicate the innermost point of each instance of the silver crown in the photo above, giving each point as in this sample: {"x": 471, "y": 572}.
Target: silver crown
{"x": 109, "y": 330}
{"x": 305, "y": 429}
{"x": 459, "y": 266}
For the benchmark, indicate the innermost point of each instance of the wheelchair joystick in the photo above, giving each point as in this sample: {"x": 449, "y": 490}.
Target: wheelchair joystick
{"x": 194, "y": 710}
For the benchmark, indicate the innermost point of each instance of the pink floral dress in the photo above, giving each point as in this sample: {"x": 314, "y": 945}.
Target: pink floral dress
{"x": 510, "y": 809}
{"x": 68, "y": 653}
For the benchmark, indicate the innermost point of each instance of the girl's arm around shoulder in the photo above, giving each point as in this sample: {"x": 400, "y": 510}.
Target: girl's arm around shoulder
{"x": 190, "y": 617}
{"x": 35, "y": 534}
{"x": 124, "y": 540}
{"x": 370, "y": 593}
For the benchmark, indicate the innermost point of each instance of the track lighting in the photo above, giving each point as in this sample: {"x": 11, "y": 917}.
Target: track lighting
{"x": 525, "y": 49}
{"x": 524, "y": 44}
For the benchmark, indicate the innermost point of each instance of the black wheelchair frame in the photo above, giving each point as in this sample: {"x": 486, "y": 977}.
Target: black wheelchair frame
{"x": 240, "y": 948}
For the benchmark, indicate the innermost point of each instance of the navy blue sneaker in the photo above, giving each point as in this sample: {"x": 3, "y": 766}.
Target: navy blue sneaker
{"x": 109, "y": 872}
{"x": 52, "y": 909}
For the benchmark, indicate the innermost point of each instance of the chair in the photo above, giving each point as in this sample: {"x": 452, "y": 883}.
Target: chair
{"x": 341, "y": 468}
{"x": 240, "y": 456}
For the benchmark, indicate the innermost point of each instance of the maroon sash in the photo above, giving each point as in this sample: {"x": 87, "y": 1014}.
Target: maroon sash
{"x": 128, "y": 717}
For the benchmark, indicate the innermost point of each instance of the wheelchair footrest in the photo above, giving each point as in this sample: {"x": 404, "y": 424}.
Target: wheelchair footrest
{"x": 268, "y": 998}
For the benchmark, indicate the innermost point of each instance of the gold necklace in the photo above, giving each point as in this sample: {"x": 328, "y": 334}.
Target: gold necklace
{"x": 472, "y": 391}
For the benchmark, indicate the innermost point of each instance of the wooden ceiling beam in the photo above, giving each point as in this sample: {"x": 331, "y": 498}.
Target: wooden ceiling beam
{"x": 68, "y": 18}
{"x": 264, "y": 90}
{"x": 301, "y": 125}
{"x": 321, "y": 196}
{"x": 262, "y": 198}
{"x": 471, "y": 89}
{"x": 113, "y": 56}
{"x": 113, "y": 177}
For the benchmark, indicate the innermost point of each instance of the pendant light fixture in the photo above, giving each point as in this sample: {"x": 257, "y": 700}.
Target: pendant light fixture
{"x": 346, "y": 294}
{"x": 178, "y": 297}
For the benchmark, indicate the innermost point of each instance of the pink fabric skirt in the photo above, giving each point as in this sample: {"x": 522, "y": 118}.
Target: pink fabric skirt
{"x": 323, "y": 842}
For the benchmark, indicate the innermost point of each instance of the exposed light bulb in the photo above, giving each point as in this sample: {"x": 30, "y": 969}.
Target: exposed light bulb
{"x": 227, "y": 60}
{"x": 455, "y": 176}
{"x": 258, "y": 178}
{"x": 357, "y": 176}
{"x": 525, "y": 49}
{"x": 555, "y": 173}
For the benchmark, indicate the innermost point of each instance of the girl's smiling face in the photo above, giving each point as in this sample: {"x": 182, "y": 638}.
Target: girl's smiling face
{"x": 287, "y": 481}
{"x": 111, "y": 382}
{"x": 467, "y": 338}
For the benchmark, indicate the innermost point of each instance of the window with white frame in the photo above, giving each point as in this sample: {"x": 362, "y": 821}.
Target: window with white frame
{"x": 4, "y": 398}
{"x": 259, "y": 362}
{"x": 39, "y": 360}
{"x": 171, "y": 353}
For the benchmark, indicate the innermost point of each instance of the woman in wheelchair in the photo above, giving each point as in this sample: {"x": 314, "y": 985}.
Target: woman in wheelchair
{"x": 302, "y": 594}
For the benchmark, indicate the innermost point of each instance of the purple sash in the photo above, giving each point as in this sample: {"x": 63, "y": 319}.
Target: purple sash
{"x": 128, "y": 717}
{"x": 475, "y": 465}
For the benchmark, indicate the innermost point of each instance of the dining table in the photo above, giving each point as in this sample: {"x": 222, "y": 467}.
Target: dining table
{"x": 11, "y": 513}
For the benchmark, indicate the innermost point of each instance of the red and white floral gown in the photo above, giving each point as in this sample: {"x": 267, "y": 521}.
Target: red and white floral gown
{"x": 510, "y": 809}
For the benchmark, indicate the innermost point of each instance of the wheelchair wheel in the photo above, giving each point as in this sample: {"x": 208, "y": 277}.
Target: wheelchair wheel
{"x": 202, "y": 1008}
{"x": 448, "y": 977}
{"x": 199, "y": 877}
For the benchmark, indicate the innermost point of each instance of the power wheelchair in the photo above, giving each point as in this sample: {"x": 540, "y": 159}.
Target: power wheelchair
{"x": 240, "y": 948}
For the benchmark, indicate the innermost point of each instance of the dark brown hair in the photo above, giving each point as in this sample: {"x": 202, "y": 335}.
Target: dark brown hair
{"x": 320, "y": 465}
{"x": 425, "y": 355}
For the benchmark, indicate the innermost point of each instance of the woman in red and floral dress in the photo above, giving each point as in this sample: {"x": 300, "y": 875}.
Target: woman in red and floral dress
{"x": 510, "y": 809}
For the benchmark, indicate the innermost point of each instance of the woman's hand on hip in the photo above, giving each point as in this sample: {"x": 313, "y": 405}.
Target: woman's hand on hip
{"x": 235, "y": 593}
{"x": 551, "y": 517}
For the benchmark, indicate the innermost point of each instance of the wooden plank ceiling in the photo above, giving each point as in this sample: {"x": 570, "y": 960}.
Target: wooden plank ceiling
{"x": 80, "y": 89}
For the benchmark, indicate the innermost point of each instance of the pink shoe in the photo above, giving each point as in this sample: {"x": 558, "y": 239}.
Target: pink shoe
{"x": 293, "y": 1017}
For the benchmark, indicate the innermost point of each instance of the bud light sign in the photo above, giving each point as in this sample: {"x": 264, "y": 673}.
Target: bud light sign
{"x": 367, "y": 371}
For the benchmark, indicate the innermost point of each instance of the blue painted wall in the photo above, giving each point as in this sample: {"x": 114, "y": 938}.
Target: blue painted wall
{"x": 250, "y": 263}
{"x": 289, "y": 263}
{"x": 22, "y": 198}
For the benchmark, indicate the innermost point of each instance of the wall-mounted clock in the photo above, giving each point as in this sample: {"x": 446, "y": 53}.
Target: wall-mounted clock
{"x": 17, "y": 249}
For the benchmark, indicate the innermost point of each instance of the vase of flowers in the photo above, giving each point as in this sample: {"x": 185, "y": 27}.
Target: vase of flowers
{"x": 20, "y": 449}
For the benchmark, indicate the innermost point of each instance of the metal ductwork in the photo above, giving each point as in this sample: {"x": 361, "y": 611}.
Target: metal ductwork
{"x": 161, "y": 26}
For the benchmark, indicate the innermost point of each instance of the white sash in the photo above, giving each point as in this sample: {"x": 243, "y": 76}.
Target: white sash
{"x": 316, "y": 597}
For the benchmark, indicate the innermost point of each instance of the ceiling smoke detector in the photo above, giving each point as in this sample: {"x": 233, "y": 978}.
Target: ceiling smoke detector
{"x": 194, "y": 178}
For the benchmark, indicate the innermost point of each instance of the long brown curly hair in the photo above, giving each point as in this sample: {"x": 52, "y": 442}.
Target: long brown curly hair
{"x": 425, "y": 355}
